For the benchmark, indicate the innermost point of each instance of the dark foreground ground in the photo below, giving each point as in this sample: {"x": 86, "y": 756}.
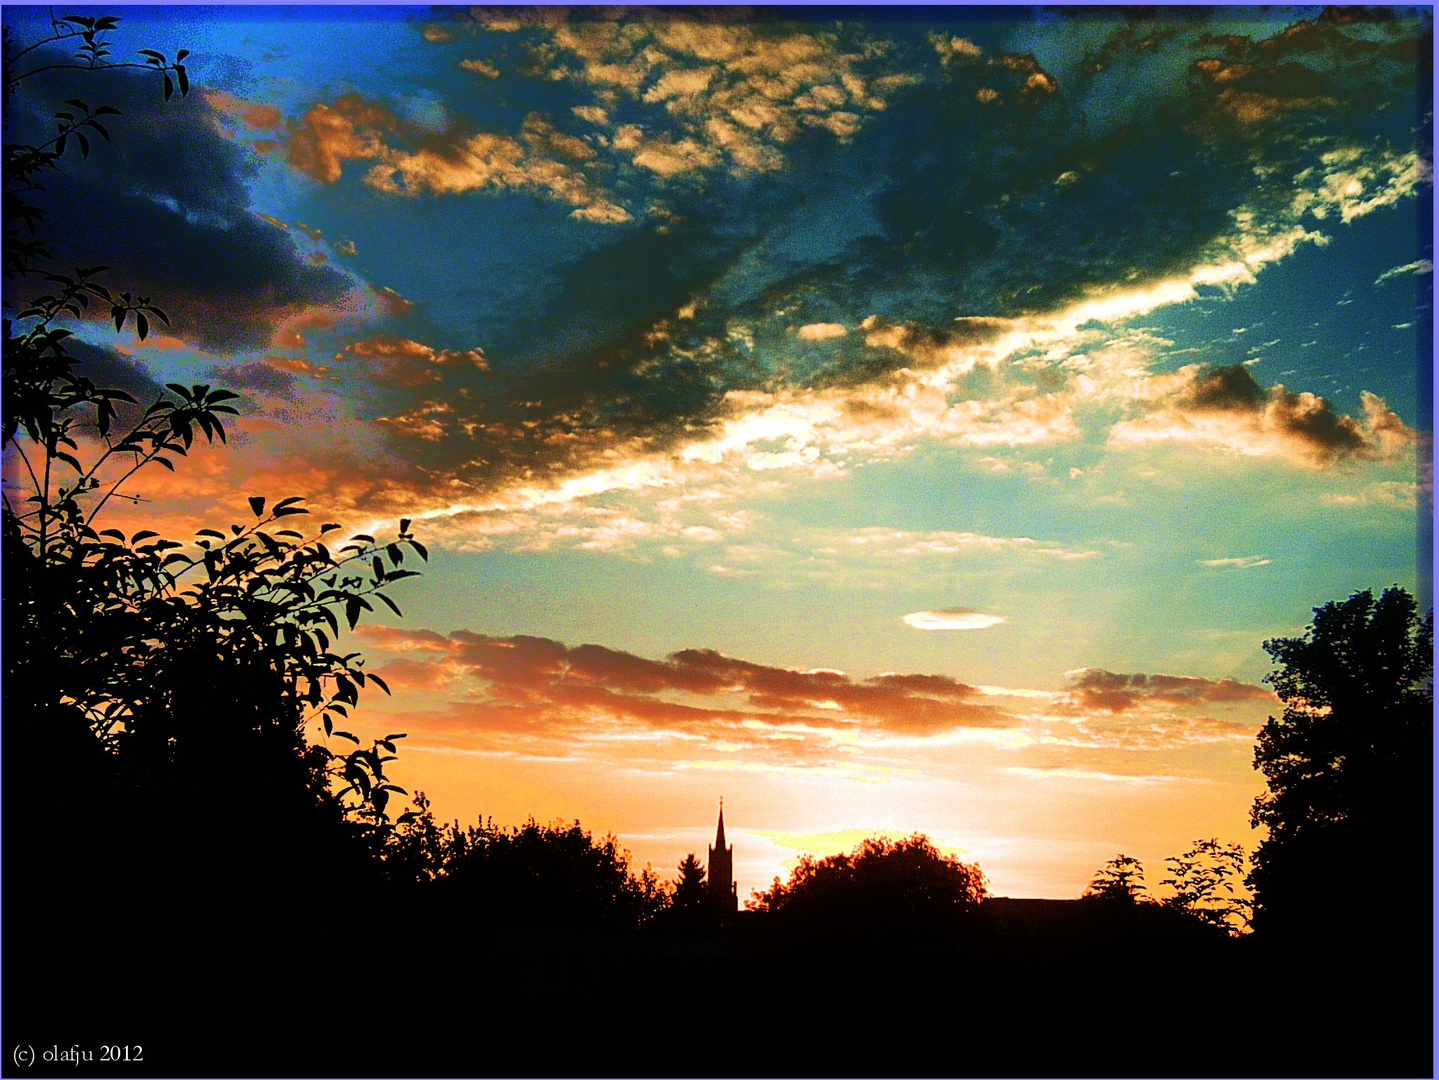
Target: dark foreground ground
{"x": 1068, "y": 990}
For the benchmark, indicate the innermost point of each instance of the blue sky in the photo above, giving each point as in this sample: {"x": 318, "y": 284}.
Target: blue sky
{"x": 888, "y": 421}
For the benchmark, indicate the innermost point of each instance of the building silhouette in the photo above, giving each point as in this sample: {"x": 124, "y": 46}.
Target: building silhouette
{"x": 720, "y": 884}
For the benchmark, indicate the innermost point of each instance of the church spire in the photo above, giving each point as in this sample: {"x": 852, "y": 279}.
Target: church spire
{"x": 723, "y": 893}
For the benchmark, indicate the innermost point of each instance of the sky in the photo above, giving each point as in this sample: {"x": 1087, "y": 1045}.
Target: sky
{"x": 889, "y": 421}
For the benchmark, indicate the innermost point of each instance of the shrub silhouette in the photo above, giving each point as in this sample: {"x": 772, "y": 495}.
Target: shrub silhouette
{"x": 532, "y": 877}
{"x": 1203, "y": 880}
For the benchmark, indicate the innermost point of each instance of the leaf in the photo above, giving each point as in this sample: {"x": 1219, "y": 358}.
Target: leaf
{"x": 404, "y": 525}
{"x": 328, "y": 527}
{"x": 283, "y": 502}
{"x": 391, "y": 605}
{"x": 165, "y": 462}
{"x": 142, "y": 325}
{"x": 346, "y": 691}
{"x": 382, "y": 685}
{"x": 183, "y": 78}
{"x": 257, "y": 504}
{"x": 169, "y": 87}
{"x": 329, "y": 724}
{"x": 420, "y": 548}
{"x": 346, "y": 735}
{"x": 289, "y": 511}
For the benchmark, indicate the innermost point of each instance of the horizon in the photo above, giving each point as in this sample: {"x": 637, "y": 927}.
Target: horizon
{"x": 889, "y": 424}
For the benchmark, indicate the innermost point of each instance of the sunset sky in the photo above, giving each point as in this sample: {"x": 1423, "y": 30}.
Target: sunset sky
{"x": 887, "y": 421}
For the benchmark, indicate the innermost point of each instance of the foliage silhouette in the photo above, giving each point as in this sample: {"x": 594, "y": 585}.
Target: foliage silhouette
{"x": 1203, "y": 880}
{"x": 158, "y": 694}
{"x": 1121, "y": 880}
{"x": 688, "y": 908}
{"x": 544, "y": 878}
{"x": 893, "y": 885}
{"x": 1348, "y": 764}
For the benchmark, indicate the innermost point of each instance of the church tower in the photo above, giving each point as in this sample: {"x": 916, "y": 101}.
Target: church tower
{"x": 722, "y": 892}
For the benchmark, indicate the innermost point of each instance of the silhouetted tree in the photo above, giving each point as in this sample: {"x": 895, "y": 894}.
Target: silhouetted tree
{"x": 1203, "y": 880}
{"x": 689, "y": 890}
{"x": 1121, "y": 879}
{"x": 892, "y": 886}
{"x": 1348, "y": 768}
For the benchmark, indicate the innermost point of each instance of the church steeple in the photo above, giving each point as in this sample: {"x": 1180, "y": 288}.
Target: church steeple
{"x": 722, "y": 891}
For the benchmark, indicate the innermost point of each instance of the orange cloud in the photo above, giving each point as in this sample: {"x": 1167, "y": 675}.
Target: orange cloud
{"x": 254, "y": 115}
{"x": 410, "y": 159}
{"x": 409, "y": 363}
{"x": 393, "y": 304}
{"x": 697, "y": 691}
{"x": 327, "y": 136}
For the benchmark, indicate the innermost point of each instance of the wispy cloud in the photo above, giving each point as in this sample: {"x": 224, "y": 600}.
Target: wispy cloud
{"x": 1241, "y": 562}
{"x": 1421, "y": 266}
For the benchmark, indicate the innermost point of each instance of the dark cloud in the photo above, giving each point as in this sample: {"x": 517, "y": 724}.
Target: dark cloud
{"x": 1106, "y": 691}
{"x": 1115, "y": 157}
{"x": 1111, "y": 150}
{"x": 1231, "y": 407}
{"x": 165, "y": 205}
{"x": 1225, "y": 388}
{"x": 1038, "y": 162}
{"x": 109, "y": 369}
{"x": 261, "y": 377}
